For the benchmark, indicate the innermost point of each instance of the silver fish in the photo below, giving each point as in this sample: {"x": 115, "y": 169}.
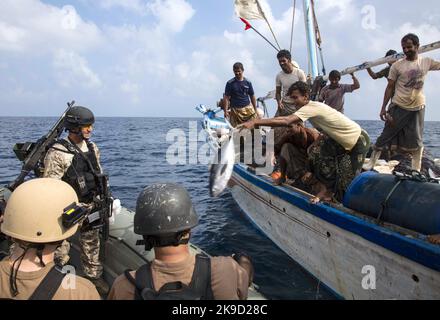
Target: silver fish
{"x": 221, "y": 169}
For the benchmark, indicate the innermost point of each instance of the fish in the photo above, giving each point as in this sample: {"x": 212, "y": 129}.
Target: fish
{"x": 222, "y": 167}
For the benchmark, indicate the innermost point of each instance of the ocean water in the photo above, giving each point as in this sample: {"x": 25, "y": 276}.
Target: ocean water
{"x": 133, "y": 152}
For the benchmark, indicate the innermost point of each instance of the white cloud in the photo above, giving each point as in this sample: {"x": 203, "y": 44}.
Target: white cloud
{"x": 172, "y": 14}
{"x": 73, "y": 70}
{"x": 341, "y": 10}
{"x": 132, "y": 89}
{"x": 11, "y": 37}
{"x": 137, "y": 6}
{"x": 32, "y": 26}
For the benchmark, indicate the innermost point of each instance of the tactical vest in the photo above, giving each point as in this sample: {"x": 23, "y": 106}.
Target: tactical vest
{"x": 198, "y": 289}
{"x": 82, "y": 172}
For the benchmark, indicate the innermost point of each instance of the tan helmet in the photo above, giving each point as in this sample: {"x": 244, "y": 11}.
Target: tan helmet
{"x": 33, "y": 212}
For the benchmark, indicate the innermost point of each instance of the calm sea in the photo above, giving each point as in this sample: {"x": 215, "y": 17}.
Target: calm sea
{"x": 133, "y": 153}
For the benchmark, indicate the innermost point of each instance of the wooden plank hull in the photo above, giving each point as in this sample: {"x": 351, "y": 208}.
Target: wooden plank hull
{"x": 337, "y": 252}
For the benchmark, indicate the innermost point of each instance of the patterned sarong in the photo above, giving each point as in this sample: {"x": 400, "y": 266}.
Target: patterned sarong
{"x": 334, "y": 166}
{"x": 242, "y": 115}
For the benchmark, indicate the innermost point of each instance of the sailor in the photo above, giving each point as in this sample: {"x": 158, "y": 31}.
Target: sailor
{"x": 164, "y": 217}
{"x": 385, "y": 71}
{"x": 337, "y": 157}
{"x": 76, "y": 160}
{"x": 239, "y": 103}
{"x": 33, "y": 220}
{"x": 333, "y": 93}
{"x": 404, "y": 119}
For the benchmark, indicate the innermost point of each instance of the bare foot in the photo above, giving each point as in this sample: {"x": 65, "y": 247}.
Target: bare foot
{"x": 323, "y": 195}
{"x": 435, "y": 238}
{"x": 279, "y": 181}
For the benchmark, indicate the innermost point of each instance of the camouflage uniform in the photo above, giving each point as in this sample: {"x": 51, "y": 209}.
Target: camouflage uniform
{"x": 56, "y": 164}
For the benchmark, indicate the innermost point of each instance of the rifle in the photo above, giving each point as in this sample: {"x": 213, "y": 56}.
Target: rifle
{"x": 32, "y": 154}
{"x": 103, "y": 204}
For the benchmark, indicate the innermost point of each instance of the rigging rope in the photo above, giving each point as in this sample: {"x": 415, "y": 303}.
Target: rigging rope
{"x": 270, "y": 28}
{"x": 318, "y": 36}
{"x": 293, "y": 24}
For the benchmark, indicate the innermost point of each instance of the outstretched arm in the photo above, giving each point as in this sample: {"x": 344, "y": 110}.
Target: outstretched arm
{"x": 273, "y": 122}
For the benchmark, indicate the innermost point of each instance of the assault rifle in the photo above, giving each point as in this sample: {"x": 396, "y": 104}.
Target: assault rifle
{"x": 104, "y": 204}
{"x": 32, "y": 154}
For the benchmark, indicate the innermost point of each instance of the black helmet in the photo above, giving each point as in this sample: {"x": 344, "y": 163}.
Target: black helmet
{"x": 78, "y": 116}
{"x": 164, "y": 209}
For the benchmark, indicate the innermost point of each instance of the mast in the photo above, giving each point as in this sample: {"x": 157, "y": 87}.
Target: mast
{"x": 311, "y": 40}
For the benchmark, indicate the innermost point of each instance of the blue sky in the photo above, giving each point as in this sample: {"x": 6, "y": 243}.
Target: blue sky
{"x": 163, "y": 57}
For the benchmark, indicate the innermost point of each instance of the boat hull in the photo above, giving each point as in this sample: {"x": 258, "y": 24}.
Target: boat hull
{"x": 353, "y": 258}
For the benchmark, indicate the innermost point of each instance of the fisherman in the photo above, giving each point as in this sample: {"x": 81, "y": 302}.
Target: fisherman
{"x": 289, "y": 74}
{"x": 333, "y": 93}
{"x": 164, "y": 217}
{"x": 337, "y": 157}
{"x": 385, "y": 71}
{"x": 239, "y": 103}
{"x": 291, "y": 152}
{"x": 76, "y": 160}
{"x": 404, "y": 119}
{"x": 33, "y": 219}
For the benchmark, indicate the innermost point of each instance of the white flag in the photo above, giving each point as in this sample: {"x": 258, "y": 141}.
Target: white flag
{"x": 248, "y": 9}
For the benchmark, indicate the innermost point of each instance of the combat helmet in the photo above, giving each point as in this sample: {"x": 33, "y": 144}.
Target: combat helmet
{"x": 34, "y": 210}
{"x": 78, "y": 116}
{"x": 164, "y": 211}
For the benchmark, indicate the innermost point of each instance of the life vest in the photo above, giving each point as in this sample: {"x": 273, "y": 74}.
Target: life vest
{"x": 81, "y": 174}
{"x": 198, "y": 289}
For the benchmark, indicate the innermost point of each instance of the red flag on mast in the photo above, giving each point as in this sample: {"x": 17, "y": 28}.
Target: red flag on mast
{"x": 248, "y": 25}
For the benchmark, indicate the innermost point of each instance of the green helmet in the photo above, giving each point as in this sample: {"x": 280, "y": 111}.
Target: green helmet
{"x": 78, "y": 116}
{"x": 164, "y": 209}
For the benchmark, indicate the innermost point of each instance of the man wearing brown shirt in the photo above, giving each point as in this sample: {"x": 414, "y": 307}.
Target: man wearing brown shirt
{"x": 33, "y": 220}
{"x": 164, "y": 217}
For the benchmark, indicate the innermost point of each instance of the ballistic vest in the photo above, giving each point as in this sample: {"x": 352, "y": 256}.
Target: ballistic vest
{"x": 81, "y": 174}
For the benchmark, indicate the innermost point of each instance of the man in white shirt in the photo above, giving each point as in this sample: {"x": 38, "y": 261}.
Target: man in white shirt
{"x": 404, "y": 119}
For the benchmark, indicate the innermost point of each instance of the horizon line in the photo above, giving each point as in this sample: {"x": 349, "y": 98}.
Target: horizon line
{"x": 168, "y": 117}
